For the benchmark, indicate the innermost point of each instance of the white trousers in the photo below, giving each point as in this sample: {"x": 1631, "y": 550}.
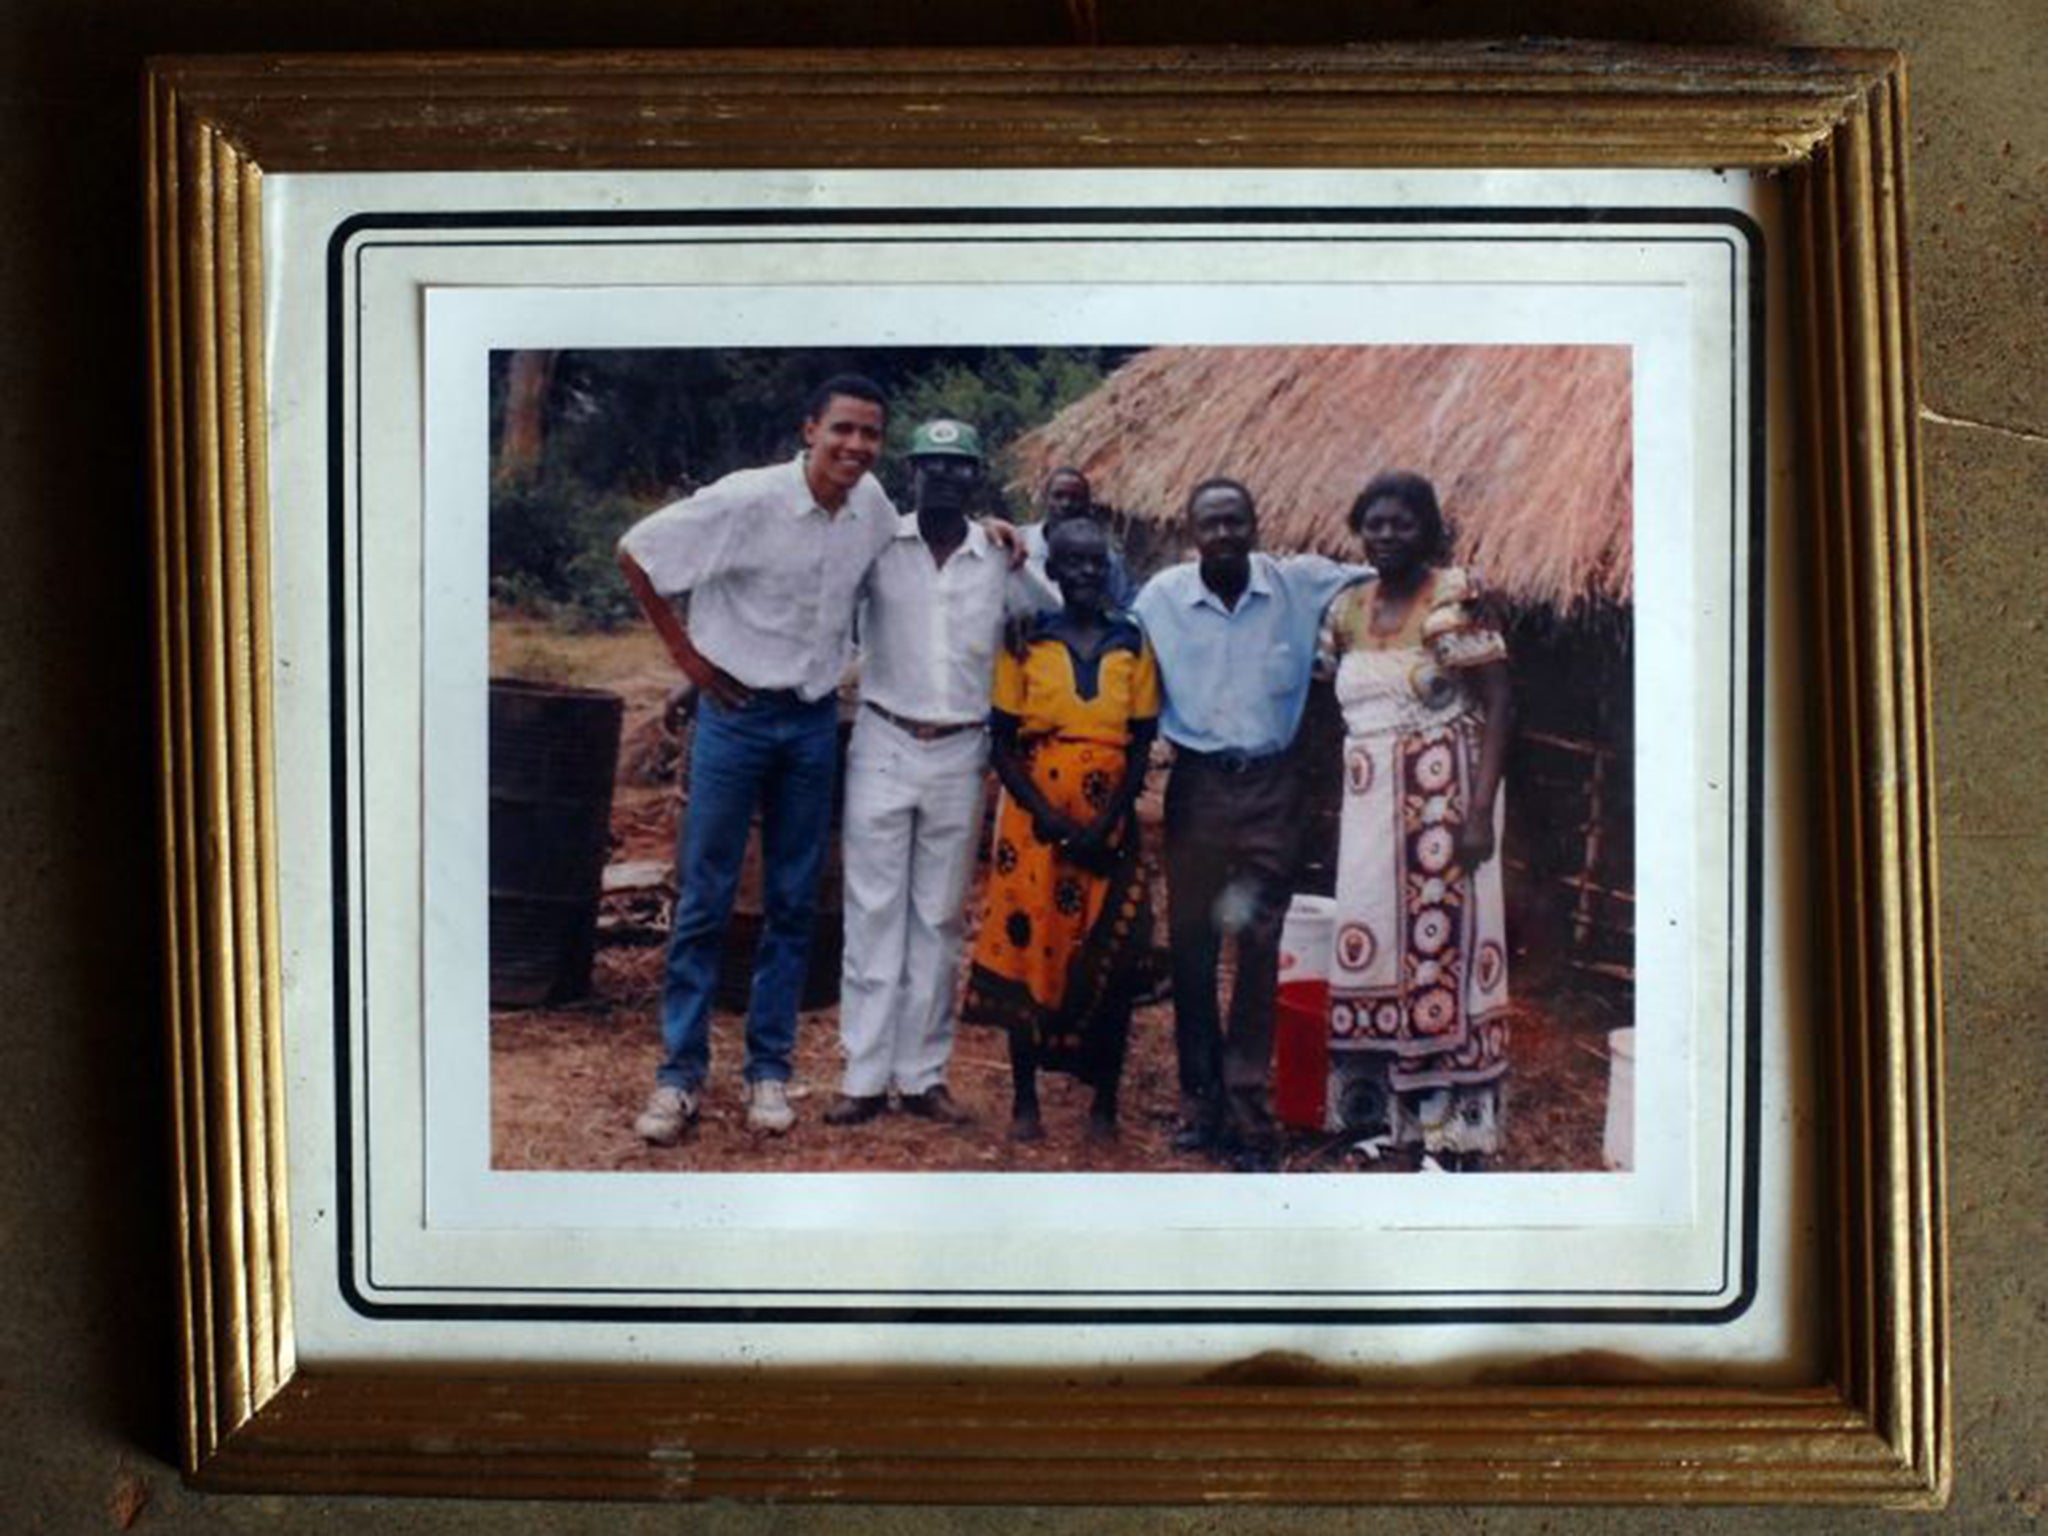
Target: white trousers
{"x": 913, "y": 810}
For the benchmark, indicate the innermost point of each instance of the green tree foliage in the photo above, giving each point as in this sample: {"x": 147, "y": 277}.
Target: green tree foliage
{"x": 551, "y": 548}
{"x": 624, "y": 430}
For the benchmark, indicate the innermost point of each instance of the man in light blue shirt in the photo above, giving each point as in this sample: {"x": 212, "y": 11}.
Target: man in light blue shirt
{"x": 1235, "y": 633}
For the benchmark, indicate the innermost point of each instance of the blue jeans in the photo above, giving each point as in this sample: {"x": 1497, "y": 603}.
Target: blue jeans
{"x": 781, "y": 755}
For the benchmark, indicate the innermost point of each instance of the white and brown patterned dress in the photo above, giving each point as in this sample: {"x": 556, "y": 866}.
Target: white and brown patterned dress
{"x": 1418, "y": 970}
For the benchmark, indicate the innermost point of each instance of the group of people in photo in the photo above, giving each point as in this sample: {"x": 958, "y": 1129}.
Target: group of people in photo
{"x": 1030, "y": 652}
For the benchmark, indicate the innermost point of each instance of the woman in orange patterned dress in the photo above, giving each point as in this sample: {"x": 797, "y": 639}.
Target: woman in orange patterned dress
{"x": 1418, "y": 969}
{"x": 1067, "y": 921}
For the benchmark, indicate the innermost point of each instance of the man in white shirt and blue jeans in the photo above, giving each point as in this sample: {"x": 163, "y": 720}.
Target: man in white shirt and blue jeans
{"x": 931, "y": 618}
{"x": 772, "y": 561}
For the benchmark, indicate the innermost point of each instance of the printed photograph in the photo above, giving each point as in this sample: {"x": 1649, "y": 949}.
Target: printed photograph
{"x": 1205, "y": 759}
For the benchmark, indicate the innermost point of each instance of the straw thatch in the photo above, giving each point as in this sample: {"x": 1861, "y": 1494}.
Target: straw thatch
{"x": 1529, "y": 448}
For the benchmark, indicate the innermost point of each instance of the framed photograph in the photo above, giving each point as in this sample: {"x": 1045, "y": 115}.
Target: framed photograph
{"x": 1093, "y": 776}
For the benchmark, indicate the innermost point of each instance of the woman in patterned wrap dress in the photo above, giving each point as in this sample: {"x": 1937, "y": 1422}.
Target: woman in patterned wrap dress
{"x": 1418, "y": 969}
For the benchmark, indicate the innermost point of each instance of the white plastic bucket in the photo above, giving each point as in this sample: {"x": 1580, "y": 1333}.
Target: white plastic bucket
{"x": 1306, "y": 938}
{"x": 1617, "y": 1146}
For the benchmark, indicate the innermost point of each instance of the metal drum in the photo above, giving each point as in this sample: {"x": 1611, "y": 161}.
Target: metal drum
{"x": 554, "y": 753}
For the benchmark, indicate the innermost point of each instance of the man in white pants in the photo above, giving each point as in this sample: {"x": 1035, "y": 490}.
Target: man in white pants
{"x": 931, "y": 618}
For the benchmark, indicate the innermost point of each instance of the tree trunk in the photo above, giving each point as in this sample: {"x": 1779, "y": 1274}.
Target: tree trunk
{"x": 526, "y": 394}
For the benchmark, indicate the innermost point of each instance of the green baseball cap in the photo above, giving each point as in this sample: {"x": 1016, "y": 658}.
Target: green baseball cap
{"x": 954, "y": 439}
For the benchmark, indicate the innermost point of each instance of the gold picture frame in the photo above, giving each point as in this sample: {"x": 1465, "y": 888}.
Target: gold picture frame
{"x": 1872, "y": 1428}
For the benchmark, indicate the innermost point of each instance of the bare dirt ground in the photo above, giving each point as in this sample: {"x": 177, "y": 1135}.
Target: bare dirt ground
{"x": 566, "y": 1082}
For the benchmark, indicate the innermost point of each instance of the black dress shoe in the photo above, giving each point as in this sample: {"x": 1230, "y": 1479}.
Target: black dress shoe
{"x": 1193, "y": 1136}
{"x": 856, "y": 1109}
{"x": 935, "y": 1103}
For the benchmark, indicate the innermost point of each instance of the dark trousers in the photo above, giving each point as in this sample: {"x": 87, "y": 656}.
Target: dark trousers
{"x": 1230, "y": 853}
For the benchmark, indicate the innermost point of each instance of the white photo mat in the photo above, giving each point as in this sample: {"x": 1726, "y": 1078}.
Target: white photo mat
{"x": 388, "y": 295}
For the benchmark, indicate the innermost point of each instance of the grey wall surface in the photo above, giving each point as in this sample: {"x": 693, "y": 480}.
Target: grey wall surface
{"x": 86, "y": 1352}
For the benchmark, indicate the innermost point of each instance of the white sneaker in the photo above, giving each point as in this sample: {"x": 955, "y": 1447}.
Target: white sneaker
{"x": 668, "y": 1111}
{"x": 768, "y": 1111}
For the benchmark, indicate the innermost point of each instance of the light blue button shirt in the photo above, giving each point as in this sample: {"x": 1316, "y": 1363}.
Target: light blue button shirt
{"x": 1236, "y": 679}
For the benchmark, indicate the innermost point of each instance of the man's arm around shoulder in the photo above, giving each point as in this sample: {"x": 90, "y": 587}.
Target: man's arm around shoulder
{"x": 1320, "y": 577}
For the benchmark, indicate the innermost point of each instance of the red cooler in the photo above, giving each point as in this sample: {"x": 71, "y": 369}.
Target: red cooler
{"x": 1301, "y": 1047}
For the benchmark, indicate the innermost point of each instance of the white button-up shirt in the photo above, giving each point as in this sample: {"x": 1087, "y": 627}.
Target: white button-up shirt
{"x": 929, "y": 632}
{"x": 772, "y": 576}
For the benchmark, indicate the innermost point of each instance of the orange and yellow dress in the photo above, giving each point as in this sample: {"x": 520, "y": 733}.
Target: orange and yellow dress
{"x": 1059, "y": 941}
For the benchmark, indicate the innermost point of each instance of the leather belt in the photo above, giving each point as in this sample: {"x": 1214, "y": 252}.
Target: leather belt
{"x": 923, "y": 730}
{"x": 1232, "y": 762}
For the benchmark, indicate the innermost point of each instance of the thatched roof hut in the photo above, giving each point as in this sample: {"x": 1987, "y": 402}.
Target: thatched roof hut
{"x": 1529, "y": 447}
